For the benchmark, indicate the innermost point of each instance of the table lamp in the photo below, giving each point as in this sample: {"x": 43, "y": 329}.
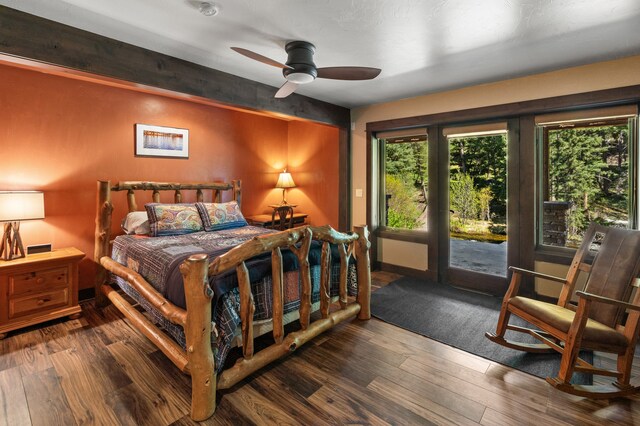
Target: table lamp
{"x": 285, "y": 181}
{"x": 14, "y": 207}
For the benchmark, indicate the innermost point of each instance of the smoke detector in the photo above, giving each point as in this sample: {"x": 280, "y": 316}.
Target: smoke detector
{"x": 209, "y": 9}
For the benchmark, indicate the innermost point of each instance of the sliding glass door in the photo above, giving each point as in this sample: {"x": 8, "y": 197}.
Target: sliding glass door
{"x": 475, "y": 239}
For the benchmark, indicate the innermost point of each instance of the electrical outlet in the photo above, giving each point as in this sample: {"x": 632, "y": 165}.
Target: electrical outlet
{"x": 359, "y": 192}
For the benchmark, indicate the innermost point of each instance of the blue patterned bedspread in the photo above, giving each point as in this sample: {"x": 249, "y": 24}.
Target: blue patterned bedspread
{"x": 158, "y": 259}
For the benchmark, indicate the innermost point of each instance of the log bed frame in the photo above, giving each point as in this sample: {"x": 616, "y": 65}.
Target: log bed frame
{"x": 197, "y": 360}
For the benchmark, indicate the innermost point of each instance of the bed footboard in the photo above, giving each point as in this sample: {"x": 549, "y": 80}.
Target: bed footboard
{"x": 298, "y": 240}
{"x": 198, "y": 333}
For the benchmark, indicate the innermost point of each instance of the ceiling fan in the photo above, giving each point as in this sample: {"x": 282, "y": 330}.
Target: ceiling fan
{"x": 300, "y": 69}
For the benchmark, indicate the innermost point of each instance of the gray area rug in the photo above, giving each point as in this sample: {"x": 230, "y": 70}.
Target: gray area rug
{"x": 460, "y": 318}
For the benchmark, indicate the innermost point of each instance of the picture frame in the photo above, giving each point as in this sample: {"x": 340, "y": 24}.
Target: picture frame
{"x": 159, "y": 141}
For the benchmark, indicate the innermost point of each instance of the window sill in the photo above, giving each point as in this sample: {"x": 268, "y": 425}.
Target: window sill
{"x": 559, "y": 255}
{"x": 420, "y": 237}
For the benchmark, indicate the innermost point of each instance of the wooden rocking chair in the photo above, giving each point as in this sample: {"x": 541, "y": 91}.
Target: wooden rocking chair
{"x": 596, "y": 323}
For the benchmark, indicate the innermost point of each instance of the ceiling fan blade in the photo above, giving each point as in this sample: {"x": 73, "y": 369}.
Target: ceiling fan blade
{"x": 258, "y": 57}
{"x": 286, "y": 89}
{"x": 348, "y": 73}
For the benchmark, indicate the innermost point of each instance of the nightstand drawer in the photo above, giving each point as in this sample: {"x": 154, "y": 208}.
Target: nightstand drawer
{"x": 38, "y": 303}
{"x": 38, "y": 281}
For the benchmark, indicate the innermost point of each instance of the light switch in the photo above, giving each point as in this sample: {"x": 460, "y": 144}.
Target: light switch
{"x": 359, "y": 192}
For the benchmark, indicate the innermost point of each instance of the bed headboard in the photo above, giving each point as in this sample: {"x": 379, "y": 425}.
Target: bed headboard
{"x": 105, "y": 208}
{"x": 156, "y": 187}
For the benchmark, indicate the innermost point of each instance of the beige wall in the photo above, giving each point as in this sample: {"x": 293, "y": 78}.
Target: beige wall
{"x": 402, "y": 253}
{"x": 598, "y": 76}
{"x": 552, "y": 288}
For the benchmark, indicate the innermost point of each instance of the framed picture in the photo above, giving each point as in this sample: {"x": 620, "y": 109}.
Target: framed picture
{"x": 156, "y": 141}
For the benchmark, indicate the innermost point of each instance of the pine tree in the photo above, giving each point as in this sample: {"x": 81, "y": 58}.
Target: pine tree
{"x": 576, "y": 164}
{"x": 406, "y": 183}
{"x": 484, "y": 158}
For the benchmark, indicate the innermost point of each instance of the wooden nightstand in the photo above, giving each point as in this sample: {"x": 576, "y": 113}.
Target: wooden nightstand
{"x": 38, "y": 288}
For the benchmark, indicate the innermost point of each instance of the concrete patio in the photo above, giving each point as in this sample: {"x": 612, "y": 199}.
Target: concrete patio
{"x": 478, "y": 256}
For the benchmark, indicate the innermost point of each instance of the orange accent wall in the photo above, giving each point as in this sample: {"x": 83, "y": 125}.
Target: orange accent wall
{"x": 313, "y": 163}
{"x": 60, "y": 135}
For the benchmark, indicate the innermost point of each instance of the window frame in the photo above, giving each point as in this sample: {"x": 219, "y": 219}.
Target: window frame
{"x": 523, "y": 113}
{"x": 384, "y": 231}
{"x": 564, "y": 255}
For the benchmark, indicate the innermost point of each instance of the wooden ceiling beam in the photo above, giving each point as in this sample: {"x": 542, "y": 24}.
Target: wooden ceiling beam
{"x": 37, "y": 39}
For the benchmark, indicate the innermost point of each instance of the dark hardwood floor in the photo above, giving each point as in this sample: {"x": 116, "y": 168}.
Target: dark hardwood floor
{"x": 99, "y": 370}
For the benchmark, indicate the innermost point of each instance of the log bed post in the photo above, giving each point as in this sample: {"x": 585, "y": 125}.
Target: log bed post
{"x": 344, "y": 272}
{"x": 302, "y": 253}
{"x": 325, "y": 279}
{"x": 247, "y": 309}
{"x": 278, "y": 294}
{"x": 198, "y": 296}
{"x": 102, "y": 237}
{"x": 363, "y": 267}
{"x": 237, "y": 191}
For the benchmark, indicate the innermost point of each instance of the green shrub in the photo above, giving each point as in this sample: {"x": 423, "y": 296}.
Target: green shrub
{"x": 464, "y": 200}
{"x": 455, "y": 225}
{"x": 498, "y": 229}
{"x": 404, "y": 210}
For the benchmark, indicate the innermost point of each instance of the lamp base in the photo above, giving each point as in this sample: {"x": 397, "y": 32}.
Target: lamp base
{"x": 11, "y": 246}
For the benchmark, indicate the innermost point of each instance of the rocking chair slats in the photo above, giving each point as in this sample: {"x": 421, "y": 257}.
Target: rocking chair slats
{"x": 596, "y": 322}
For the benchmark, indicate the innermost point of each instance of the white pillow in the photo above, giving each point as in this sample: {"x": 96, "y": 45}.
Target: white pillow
{"x": 136, "y": 223}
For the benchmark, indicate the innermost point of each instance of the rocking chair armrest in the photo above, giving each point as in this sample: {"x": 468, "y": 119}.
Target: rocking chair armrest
{"x": 537, "y": 274}
{"x": 608, "y": 300}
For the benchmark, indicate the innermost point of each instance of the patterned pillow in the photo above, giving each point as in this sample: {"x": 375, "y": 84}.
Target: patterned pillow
{"x": 173, "y": 219}
{"x": 217, "y": 216}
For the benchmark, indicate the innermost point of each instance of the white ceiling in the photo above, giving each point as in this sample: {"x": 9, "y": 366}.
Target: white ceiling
{"x": 422, "y": 46}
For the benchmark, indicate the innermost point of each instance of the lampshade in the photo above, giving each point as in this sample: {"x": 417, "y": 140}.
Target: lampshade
{"x": 285, "y": 180}
{"x": 21, "y": 205}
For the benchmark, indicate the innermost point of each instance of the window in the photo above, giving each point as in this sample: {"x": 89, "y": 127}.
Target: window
{"x": 586, "y": 172}
{"x": 404, "y": 180}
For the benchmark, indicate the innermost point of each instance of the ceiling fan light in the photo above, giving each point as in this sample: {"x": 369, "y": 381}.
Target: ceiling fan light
{"x": 300, "y": 77}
